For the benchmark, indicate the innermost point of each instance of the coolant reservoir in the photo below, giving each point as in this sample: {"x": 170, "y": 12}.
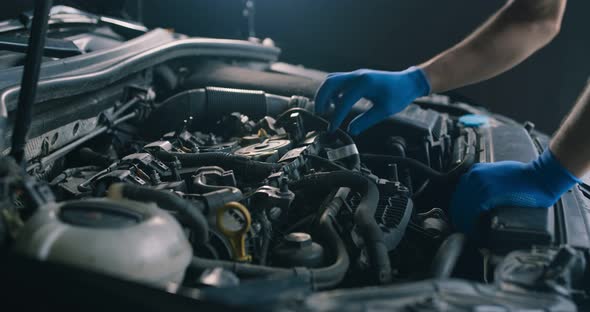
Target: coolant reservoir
{"x": 126, "y": 239}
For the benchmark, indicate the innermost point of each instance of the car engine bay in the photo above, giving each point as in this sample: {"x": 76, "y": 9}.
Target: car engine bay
{"x": 267, "y": 192}
{"x": 198, "y": 168}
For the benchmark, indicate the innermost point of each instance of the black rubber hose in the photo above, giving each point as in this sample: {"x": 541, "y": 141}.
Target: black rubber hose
{"x": 416, "y": 165}
{"x": 396, "y": 146}
{"x": 364, "y": 216}
{"x": 242, "y": 166}
{"x": 266, "y": 237}
{"x": 3, "y": 129}
{"x": 90, "y": 157}
{"x": 447, "y": 255}
{"x": 320, "y": 278}
{"x": 209, "y": 104}
{"x": 190, "y": 211}
{"x": 330, "y": 276}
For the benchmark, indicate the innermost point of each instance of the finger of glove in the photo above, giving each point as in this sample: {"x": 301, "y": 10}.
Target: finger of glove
{"x": 327, "y": 91}
{"x": 365, "y": 120}
{"x": 346, "y": 102}
{"x": 467, "y": 203}
{"x": 463, "y": 207}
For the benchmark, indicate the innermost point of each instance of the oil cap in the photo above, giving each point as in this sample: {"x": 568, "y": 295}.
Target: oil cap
{"x": 474, "y": 120}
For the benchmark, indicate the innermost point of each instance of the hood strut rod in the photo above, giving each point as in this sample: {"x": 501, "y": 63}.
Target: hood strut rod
{"x": 30, "y": 78}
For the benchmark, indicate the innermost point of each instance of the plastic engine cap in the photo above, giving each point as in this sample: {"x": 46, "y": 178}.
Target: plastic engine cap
{"x": 298, "y": 239}
{"x": 474, "y": 120}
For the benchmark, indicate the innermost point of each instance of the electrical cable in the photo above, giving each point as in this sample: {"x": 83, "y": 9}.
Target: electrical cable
{"x": 418, "y": 166}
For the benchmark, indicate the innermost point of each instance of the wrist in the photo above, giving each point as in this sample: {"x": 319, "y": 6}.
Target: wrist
{"x": 432, "y": 75}
{"x": 555, "y": 176}
{"x": 420, "y": 79}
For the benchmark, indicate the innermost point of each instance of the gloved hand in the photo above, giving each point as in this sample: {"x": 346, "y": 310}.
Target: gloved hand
{"x": 537, "y": 185}
{"x": 390, "y": 93}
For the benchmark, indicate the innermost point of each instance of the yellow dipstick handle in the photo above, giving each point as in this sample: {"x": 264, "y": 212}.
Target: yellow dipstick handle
{"x": 237, "y": 238}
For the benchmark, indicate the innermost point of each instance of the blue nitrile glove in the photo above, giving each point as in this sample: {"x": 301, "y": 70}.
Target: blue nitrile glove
{"x": 390, "y": 93}
{"x": 537, "y": 184}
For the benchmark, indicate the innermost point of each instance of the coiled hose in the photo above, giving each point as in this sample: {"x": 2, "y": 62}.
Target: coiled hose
{"x": 319, "y": 278}
{"x": 364, "y": 216}
{"x": 191, "y": 211}
{"x": 242, "y": 166}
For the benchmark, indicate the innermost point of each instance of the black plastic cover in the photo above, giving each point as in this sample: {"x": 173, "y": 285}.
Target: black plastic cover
{"x": 425, "y": 131}
{"x": 567, "y": 222}
{"x": 513, "y": 228}
{"x": 507, "y": 142}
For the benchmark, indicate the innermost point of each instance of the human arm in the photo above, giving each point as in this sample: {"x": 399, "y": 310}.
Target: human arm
{"x": 571, "y": 143}
{"x": 517, "y": 30}
{"x": 511, "y": 35}
{"x": 538, "y": 184}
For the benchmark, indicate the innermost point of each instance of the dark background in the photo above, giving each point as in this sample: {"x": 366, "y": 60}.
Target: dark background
{"x": 342, "y": 35}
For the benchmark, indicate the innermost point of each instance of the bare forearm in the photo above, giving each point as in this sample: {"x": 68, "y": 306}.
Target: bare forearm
{"x": 571, "y": 145}
{"x": 519, "y": 29}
